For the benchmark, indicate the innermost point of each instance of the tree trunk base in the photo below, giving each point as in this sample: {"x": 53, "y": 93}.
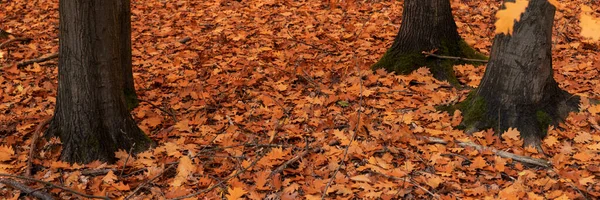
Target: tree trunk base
{"x": 84, "y": 146}
{"x": 395, "y": 60}
{"x": 532, "y": 121}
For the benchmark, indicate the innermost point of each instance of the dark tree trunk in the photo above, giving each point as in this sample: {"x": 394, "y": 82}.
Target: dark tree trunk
{"x": 91, "y": 116}
{"x": 125, "y": 32}
{"x": 518, "y": 89}
{"x": 426, "y": 25}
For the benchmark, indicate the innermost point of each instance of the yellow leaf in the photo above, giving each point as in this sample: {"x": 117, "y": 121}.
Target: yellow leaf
{"x": 6, "y": 152}
{"x": 235, "y": 193}
{"x": 434, "y": 181}
{"x": 511, "y": 133}
{"x": 590, "y": 26}
{"x": 184, "y": 169}
{"x": 362, "y": 178}
{"x": 506, "y": 18}
{"x": 551, "y": 141}
{"x": 110, "y": 177}
{"x": 585, "y": 181}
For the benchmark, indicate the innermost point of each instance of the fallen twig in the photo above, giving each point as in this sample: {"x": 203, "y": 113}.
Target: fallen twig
{"x": 5, "y": 43}
{"x": 360, "y": 101}
{"x": 173, "y": 164}
{"x": 244, "y": 169}
{"x": 455, "y": 58}
{"x": 25, "y": 189}
{"x": 286, "y": 163}
{"x": 161, "y": 109}
{"x": 55, "y": 186}
{"x": 410, "y": 181}
{"x": 36, "y": 135}
{"x": 37, "y": 60}
{"x": 504, "y": 154}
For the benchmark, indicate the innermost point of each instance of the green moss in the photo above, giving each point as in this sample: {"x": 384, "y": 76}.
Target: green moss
{"x": 442, "y": 69}
{"x": 473, "y": 110}
{"x": 131, "y": 99}
{"x": 468, "y": 52}
{"x": 400, "y": 63}
{"x": 544, "y": 120}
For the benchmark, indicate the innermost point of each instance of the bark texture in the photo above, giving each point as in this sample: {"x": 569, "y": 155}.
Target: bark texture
{"x": 91, "y": 117}
{"x": 426, "y": 25}
{"x": 124, "y": 7}
{"x": 518, "y": 89}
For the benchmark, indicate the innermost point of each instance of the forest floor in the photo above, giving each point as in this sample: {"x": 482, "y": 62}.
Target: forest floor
{"x": 275, "y": 99}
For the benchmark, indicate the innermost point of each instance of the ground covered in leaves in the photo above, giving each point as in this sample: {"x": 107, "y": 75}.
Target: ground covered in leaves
{"x": 275, "y": 99}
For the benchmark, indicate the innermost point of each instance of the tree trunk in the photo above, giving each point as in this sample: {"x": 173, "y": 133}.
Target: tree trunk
{"x": 426, "y": 25}
{"x": 125, "y": 31}
{"x": 91, "y": 117}
{"x": 518, "y": 89}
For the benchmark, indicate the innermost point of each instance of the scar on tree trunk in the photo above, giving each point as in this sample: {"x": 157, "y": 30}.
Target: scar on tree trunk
{"x": 427, "y": 25}
{"x": 518, "y": 89}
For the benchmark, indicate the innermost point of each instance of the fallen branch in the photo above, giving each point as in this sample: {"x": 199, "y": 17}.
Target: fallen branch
{"x": 55, "y": 186}
{"x": 36, "y": 135}
{"x": 455, "y": 58}
{"x": 410, "y": 181}
{"x": 37, "y": 60}
{"x": 5, "y": 43}
{"x": 504, "y": 154}
{"x": 25, "y": 189}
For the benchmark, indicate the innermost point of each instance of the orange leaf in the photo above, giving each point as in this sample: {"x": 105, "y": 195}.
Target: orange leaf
{"x": 507, "y": 17}
{"x": 361, "y": 178}
{"x": 184, "y": 169}
{"x": 511, "y": 133}
{"x": 479, "y": 163}
{"x": 110, "y": 177}
{"x": 235, "y": 193}
{"x": 590, "y": 26}
{"x": 6, "y": 153}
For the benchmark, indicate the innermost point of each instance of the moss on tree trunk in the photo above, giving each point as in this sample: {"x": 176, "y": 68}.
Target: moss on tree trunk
{"x": 427, "y": 25}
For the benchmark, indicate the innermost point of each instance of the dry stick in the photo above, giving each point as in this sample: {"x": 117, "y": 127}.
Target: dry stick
{"x": 161, "y": 109}
{"x": 244, "y": 169}
{"x": 36, "y": 135}
{"x": 353, "y": 135}
{"x": 410, "y": 181}
{"x": 173, "y": 164}
{"x": 455, "y": 58}
{"x": 30, "y": 191}
{"x": 40, "y": 59}
{"x": 126, "y": 159}
{"x": 504, "y": 154}
{"x": 55, "y": 186}
{"x": 5, "y": 43}
{"x": 284, "y": 165}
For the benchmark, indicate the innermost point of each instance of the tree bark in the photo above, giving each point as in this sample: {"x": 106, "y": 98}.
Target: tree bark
{"x": 91, "y": 117}
{"x": 125, "y": 32}
{"x": 426, "y": 25}
{"x": 518, "y": 89}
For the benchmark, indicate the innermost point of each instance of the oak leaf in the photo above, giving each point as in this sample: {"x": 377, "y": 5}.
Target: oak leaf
{"x": 6, "y": 153}
{"x": 235, "y": 193}
{"x": 507, "y": 17}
